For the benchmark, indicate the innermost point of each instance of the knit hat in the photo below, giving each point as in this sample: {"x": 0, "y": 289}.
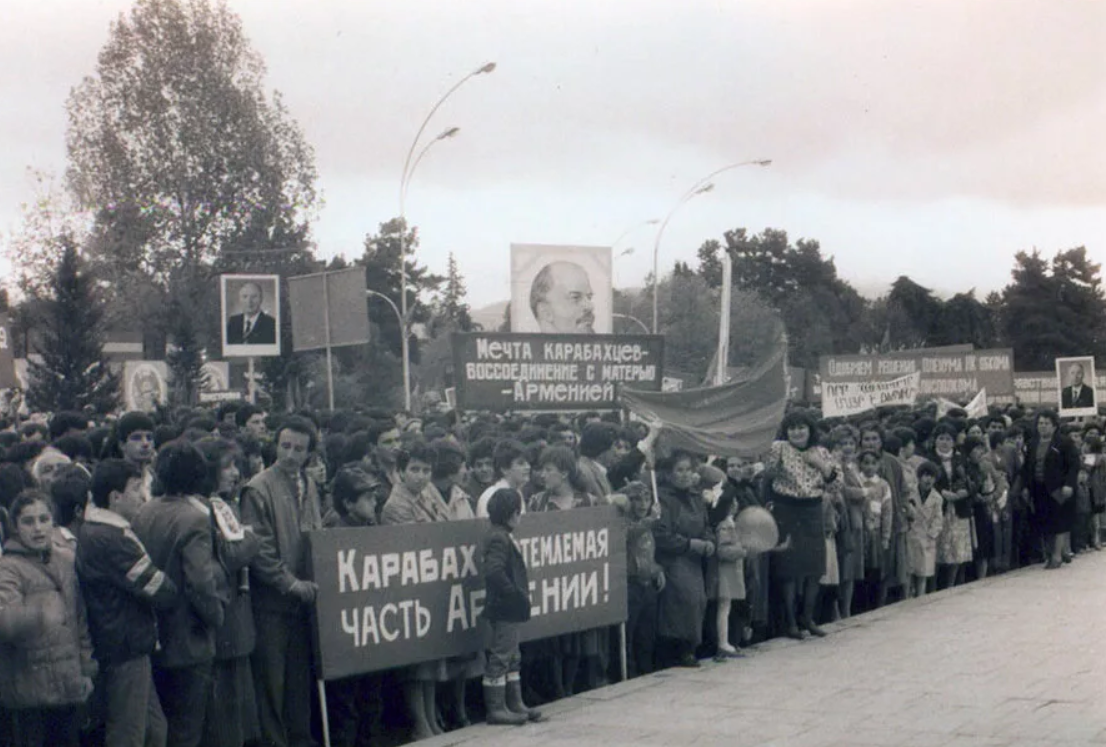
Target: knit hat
{"x": 134, "y": 421}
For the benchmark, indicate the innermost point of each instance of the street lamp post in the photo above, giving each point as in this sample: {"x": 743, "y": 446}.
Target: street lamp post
{"x": 634, "y": 319}
{"x": 408, "y": 170}
{"x": 702, "y": 186}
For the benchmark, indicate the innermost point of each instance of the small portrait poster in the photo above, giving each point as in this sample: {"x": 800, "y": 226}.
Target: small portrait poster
{"x": 1076, "y": 379}
{"x": 145, "y": 385}
{"x": 251, "y": 315}
{"x": 561, "y": 289}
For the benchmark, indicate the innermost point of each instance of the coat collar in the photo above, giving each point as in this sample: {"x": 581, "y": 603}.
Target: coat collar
{"x": 96, "y": 515}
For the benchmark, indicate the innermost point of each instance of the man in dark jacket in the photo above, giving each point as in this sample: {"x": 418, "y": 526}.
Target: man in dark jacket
{"x": 121, "y": 588}
{"x": 177, "y": 530}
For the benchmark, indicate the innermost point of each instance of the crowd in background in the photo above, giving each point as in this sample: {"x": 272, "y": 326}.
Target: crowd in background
{"x": 154, "y": 586}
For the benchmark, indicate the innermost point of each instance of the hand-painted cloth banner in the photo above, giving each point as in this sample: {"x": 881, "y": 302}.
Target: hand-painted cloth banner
{"x": 396, "y": 595}
{"x": 738, "y": 418}
{"x": 842, "y": 399}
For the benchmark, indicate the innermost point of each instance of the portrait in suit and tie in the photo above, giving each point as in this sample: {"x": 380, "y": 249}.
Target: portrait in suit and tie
{"x": 1077, "y": 386}
{"x": 251, "y": 308}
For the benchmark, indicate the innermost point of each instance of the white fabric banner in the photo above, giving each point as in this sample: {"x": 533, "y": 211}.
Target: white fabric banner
{"x": 842, "y": 399}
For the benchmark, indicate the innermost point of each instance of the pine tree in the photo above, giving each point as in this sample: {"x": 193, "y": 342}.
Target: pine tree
{"x": 453, "y": 306}
{"x": 73, "y": 372}
{"x": 186, "y": 359}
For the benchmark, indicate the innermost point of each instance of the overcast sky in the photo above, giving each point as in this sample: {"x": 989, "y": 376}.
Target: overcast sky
{"x": 929, "y": 138}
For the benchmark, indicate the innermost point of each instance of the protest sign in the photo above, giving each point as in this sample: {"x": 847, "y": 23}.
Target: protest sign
{"x": 329, "y": 308}
{"x": 7, "y": 358}
{"x": 501, "y": 371}
{"x": 561, "y": 289}
{"x": 145, "y": 384}
{"x": 1076, "y": 386}
{"x": 395, "y": 595}
{"x": 953, "y": 374}
{"x": 842, "y": 399}
{"x": 1042, "y": 388}
{"x": 251, "y": 315}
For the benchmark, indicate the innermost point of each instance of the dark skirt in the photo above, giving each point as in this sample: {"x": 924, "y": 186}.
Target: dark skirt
{"x": 1051, "y": 517}
{"x": 802, "y": 520}
{"x": 984, "y": 531}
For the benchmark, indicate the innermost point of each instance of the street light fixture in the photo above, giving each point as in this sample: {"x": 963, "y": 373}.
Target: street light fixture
{"x": 700, "y": 187}
{"x": 404, "y": 181}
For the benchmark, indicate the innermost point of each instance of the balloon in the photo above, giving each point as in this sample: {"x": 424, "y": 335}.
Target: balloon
{"x": 757, "y": 530}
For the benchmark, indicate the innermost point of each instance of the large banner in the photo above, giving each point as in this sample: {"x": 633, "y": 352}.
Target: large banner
{"x": 329, "y": 308}
{"x": 501, "y": 371}
{"x": 251, "y": 315}
{"x": 1042, "y": 388}
{"x": 957, "y": 375}
{"x": 395, "y": 595}
{"x": 561, "y": 289}
{"x": 843, "y": 399}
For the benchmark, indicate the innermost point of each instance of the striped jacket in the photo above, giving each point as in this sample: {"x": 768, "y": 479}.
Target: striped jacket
{"x": 121, "y": 588}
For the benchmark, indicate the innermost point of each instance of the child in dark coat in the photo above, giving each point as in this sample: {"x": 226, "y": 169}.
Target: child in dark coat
{"x": 506, "y": 607}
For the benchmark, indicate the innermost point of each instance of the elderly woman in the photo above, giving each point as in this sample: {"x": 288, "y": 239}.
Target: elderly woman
{"x": 683, "y": 538}
{"x": 800, "y": 471}
{"x": 1051, "y": 475}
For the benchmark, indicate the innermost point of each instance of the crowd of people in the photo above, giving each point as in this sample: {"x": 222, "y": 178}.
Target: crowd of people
{"x": 154, "y": 585}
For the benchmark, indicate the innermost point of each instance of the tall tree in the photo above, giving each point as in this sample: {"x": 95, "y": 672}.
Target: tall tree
{"x": 1053, "y": 310}
{"x": 73, "y": 372}
{"x": 382, "y": 275}
{"x": 451, "y": 305}
{"x": 175, "y": 146}
{"x": 822, "y": 312}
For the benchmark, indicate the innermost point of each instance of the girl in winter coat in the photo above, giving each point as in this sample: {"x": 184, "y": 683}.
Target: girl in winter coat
{"x": 46, "y": 665}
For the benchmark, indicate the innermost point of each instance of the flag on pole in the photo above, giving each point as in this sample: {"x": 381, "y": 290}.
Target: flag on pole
{"x": 737, "y": 418}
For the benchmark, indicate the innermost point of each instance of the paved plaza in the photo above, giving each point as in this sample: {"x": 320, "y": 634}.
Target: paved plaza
{"x": 1019, "y": 659}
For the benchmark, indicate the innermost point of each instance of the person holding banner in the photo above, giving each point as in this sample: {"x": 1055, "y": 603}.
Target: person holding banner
{"x": 800, "y": 471}
{"x": 564, "y": 491}
{"x": 414, "y": 500}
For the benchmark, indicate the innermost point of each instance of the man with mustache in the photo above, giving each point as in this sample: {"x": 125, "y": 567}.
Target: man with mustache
{"x": 562, "y": 300}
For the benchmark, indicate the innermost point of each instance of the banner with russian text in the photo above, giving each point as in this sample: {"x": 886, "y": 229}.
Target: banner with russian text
{"x": 953, "y": 374}
{"x": 396, "y": 595}
{"x": 842, "y": 399}
{"x": 501, "y": 371}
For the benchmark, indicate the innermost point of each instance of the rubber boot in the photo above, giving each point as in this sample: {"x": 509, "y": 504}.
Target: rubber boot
{"x": 515, "y": 703}
{"x": 495, "y": 703}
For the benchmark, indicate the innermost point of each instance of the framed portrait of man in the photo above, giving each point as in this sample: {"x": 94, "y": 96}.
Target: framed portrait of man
{"x": 561, "y": 289}
{"x": 1076, "y": 380}
{"x": 251, "y": 315}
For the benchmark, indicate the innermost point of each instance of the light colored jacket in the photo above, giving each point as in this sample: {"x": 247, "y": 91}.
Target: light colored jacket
{"x": 40, "y": 665}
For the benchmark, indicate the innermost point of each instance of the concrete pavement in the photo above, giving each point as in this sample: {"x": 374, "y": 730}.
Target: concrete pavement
{"x": 1017, "y": 660}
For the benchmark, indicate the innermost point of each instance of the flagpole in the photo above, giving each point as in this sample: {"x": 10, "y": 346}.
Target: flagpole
{"x": 723, "y": 356}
